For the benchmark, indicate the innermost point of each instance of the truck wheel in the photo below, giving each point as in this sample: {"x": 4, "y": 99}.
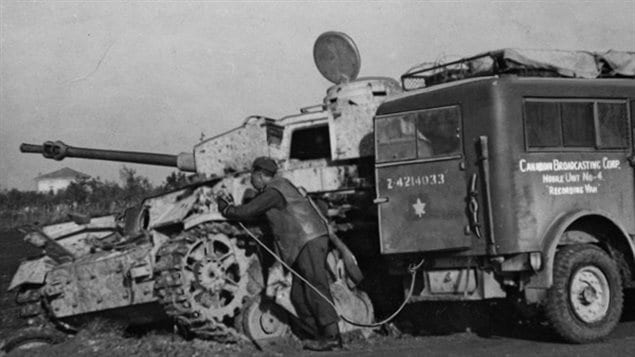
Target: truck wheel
{"x": 32, "y": 337}
{"x": 585, "y": 301}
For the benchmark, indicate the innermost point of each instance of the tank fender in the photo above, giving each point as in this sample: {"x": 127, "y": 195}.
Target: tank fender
{"x": 32, "y": 272}
{"x": 544, "y": 278}
{"x": 170, "y": 209}
{"x": 196, "y": 219}
{"x": 182, "y": 206}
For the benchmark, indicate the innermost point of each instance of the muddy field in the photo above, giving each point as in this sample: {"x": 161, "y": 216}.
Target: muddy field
{"x": 461, "y": 330}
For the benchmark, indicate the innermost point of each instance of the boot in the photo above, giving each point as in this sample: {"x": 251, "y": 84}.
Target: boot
{"x": 324, "y": 344}
{"x": 329, "y": 341}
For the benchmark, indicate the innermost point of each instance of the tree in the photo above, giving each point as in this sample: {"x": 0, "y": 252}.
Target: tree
{"x": 77, "y": 191}
{"x": 174, "y": 181}
{"x": 135, "y": 187}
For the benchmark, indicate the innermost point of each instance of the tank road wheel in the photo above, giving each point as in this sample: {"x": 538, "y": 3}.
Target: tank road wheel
{"x": 585, "y": 301}
{"x": 262, "y": 319}
{"x": 203, "y": 279}
{"x": 32, "y": 337}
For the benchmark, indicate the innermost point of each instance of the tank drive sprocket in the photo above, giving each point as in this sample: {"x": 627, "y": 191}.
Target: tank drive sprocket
{"x": 203, "y": 279}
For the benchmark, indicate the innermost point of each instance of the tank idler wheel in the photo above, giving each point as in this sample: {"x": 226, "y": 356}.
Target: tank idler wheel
{"x": 585, "y": 302}
{"x": 262, "y": 319}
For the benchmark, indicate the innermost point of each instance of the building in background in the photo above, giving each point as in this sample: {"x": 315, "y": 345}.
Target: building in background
{"x": 58, "y": 180}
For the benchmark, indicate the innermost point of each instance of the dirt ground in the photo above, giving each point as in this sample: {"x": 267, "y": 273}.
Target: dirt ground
{"x": 93, "y": 342}
{"x": 462, "y": 330}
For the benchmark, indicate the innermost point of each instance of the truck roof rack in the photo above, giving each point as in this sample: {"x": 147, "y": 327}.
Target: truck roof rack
{"x": 525, "y": 63}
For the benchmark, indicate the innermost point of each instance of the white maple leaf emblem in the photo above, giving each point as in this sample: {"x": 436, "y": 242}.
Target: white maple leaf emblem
{"x": 420, "y": 208}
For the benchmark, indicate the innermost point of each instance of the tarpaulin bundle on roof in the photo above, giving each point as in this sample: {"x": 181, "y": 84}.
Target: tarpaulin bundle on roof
{"x": 538, "y": 63}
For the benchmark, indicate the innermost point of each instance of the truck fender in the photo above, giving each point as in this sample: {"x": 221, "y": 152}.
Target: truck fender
{"x": 543, "y": 279}
{"x": 32, "y": 272}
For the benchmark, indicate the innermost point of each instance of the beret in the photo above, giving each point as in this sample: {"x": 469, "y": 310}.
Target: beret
{"x": 265, "y": 164}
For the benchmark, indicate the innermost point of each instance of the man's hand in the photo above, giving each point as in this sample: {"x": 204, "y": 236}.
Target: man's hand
{"x": 224, "y": 200}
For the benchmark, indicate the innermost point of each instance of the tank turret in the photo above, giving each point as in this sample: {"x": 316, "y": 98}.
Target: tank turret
{"x": 57, "y": 150}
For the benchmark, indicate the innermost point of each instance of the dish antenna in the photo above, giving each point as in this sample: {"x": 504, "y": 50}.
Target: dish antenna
{"x": 336, "y": 57}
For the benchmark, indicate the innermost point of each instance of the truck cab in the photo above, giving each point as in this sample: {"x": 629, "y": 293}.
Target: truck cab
{"x": 509, "y": 181}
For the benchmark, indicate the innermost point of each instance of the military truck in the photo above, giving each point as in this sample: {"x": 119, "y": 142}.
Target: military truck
{"x": 511, "y": 173}
{"x": 476, "y": 171}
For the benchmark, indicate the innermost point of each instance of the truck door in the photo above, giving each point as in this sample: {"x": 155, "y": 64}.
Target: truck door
{"x": 421, "y": 188}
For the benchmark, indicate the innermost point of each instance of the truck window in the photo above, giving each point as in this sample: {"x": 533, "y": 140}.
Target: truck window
{"x": 574, "y": 123}
{"x": 577, "y": 124}
{"x": 395, "y": 138}
{"x": 613, "y": 123}
{"x": 421, "y": 134}
{"x": 310, "y": 143}
{"x": 438, "y": 132}
{"x": 542, "y": 123}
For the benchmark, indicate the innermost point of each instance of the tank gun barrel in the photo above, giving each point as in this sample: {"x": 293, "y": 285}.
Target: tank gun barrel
{"x": 57, "y": 150}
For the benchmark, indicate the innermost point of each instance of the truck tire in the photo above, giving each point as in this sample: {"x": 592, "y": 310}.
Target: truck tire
{"x": 585, "y": 302}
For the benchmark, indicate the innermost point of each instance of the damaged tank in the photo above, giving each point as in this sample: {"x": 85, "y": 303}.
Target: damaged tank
{"x": 176, "y": 257}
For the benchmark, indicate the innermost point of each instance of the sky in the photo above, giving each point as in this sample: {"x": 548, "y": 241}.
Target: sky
{"x": 155, "y": 76}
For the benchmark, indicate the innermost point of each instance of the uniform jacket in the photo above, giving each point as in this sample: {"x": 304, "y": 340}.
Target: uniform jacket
{"x": 296, "y": 224}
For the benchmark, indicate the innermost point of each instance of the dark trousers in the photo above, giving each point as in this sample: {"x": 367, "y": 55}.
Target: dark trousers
{"x": 314, "y": 313}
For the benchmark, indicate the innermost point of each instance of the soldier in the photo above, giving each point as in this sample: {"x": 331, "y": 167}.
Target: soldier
{"x": 301, "y": 236}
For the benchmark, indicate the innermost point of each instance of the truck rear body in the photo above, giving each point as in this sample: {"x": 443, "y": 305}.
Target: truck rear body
{"x": 555, "y": 147}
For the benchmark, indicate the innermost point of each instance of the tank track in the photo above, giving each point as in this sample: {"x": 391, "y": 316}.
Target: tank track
{"x": 171, "y": 290}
